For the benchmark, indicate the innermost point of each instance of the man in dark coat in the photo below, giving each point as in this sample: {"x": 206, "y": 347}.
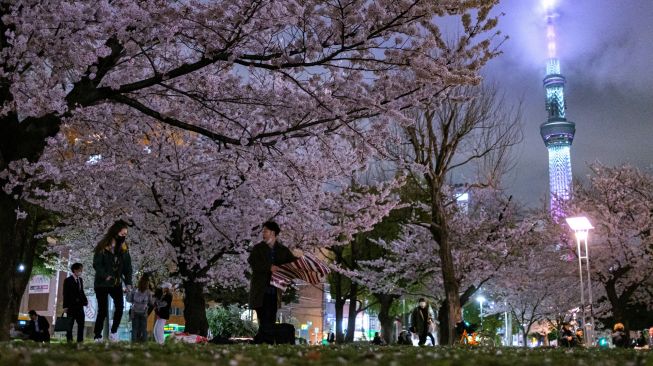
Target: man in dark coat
{"x": 74, "y": 301}
{"x": 264, "y": 259}
{"x": 38, "y": 328}
{"x": 419, "y": 320}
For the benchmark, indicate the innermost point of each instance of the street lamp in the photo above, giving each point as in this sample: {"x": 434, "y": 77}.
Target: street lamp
{"x": 581, "y": 226}
{"x": 481, "y": 300}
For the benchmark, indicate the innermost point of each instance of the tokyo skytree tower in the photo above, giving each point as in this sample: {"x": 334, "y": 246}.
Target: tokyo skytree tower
{"x": 557, "y": 132}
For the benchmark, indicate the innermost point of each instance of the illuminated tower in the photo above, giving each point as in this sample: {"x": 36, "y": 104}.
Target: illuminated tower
{"x": 557, "y": 132}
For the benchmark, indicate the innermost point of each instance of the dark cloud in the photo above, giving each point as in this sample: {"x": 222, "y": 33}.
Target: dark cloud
{"x": 607, "y": 56}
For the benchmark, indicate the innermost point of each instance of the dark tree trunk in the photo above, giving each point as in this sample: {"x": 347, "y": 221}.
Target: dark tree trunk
{"x": 387, "y": 321}
{"x": 353, "y": 312}
{"x": 195, "y": 308}
{"x": 340, "y": 307}
{"x": 18, "y": 140}
{"x": 439, "y": 232}
{"x": 443, "y": 314}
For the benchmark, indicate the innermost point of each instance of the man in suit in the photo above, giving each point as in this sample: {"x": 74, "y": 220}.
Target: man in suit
{"x": 74, "y": 301}
{"x": 38, "y": 329}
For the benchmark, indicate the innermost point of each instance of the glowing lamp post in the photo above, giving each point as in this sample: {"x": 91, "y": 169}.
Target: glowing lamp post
{"x": 581, "y": 226}
{"x": 481, "y": 300}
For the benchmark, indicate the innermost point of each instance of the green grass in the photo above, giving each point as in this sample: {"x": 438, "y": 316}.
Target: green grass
{"x": 23, "y": 353}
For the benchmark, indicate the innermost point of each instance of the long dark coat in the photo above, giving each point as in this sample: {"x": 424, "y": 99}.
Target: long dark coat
{"x": 259, "y": 261}
{"x": 417, "y": 320}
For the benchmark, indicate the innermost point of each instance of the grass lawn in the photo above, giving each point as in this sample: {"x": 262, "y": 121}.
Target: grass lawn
{"x": 88, "y": 354}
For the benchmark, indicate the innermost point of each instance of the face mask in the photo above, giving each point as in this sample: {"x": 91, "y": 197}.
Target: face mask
{"x": 120, "y": 239}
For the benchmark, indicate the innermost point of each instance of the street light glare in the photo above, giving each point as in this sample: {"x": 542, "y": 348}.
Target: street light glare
{"x": 580, "y": 223}
{"x": 480, "y": 299}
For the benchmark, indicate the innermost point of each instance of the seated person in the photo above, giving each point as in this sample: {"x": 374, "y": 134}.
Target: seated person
{"x": 567, "y": 336}
{"x": 38, "y": 329}
{"x": 618, "y": 336}
{"x": 639, "y": 340}
{"x": 377, "y": 339}
{"x": 15, "y": 333}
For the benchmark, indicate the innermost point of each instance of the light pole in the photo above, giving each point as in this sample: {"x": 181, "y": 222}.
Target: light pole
{"x": 581, "y": 227}
{"x": 481, "y": 300}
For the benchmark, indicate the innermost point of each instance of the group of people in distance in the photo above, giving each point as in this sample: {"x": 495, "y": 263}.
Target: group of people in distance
{"x": 113, "y": 268}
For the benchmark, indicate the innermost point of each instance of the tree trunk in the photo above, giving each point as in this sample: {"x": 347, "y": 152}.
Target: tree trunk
{"x": 353, "y": 312}
{"x": 16, "y": 248}
{"x": 443, "y": 314}
{"x": 340, "y": 309}
{"x": 195, "y": 308}
{"x": 525, "y": 337}
{"x": 387, "y": 321}
{"x": 18, "y": 140}
{"x": 439, "y": 232}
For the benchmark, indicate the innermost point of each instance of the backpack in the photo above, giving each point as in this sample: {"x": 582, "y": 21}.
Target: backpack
{"x": 140, "y": 302}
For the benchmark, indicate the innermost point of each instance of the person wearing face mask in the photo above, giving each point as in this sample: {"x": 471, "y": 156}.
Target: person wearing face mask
{"x": 419, "y": 320}
{"x": 264, "y": 259}
{"x": 74, "y": 301}
{"x": 113, "y": 266}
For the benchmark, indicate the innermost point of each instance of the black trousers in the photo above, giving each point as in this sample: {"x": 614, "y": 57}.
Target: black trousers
{"x": 267, "y": 314}
{"x": 102, "y": 294}
{"x": 79, "y": 317}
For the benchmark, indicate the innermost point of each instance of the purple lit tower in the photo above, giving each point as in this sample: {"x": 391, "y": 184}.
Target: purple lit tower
{"x": 557, "y": 132}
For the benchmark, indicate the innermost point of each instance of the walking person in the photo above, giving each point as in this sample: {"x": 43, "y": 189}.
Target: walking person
{"x": 74, "y": 300}
{"x": 650, "y": 337}
{"x": 162, "y": 304}
{"x": 38, "y": 328}
{"x": 264, "y": 259}
{"x": 113, "y": 266}
{"x": 419, "y": 320}
{"x": 140, "y": 298}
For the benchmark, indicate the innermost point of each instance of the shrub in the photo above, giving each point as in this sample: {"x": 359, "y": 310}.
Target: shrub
{"x": 226, "y": 322}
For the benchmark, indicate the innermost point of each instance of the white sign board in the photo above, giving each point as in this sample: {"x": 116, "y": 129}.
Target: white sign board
{"x": 39, "y": 285}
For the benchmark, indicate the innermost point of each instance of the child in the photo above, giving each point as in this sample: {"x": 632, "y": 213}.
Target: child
{"x": 141, "y": 298}
{"x": 162, "y": 310}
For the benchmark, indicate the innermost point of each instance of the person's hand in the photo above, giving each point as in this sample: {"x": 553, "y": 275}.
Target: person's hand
{"x": 109, "y": 278}
{"x": 274, "y": 268}
{"x": 569, "y": 338}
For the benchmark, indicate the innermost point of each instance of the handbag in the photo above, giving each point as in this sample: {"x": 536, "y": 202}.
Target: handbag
{"x": 63, "y": 323}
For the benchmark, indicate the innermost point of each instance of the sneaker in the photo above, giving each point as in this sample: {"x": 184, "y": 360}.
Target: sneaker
{"x": 98, "y": 340}
{"x": 113, "y": 337}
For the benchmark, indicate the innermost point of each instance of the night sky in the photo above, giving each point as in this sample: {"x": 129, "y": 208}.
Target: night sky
{"x": 606, "y": 53}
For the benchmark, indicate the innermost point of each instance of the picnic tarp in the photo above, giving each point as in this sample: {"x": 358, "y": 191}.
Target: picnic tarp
{"x": 306, "y": 268}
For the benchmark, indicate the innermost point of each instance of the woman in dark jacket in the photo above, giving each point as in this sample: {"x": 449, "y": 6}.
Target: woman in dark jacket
{"x": 113, "y": 266}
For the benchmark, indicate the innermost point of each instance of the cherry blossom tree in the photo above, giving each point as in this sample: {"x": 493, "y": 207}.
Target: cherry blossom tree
{"x": 485, "y": 235}
{"x": 466, "y": 138}
{"x": 245, "y": 74}
{"x": 619, "y": 203}
{"x": 540, "y": 283}
{"x": 195, "y": 209}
